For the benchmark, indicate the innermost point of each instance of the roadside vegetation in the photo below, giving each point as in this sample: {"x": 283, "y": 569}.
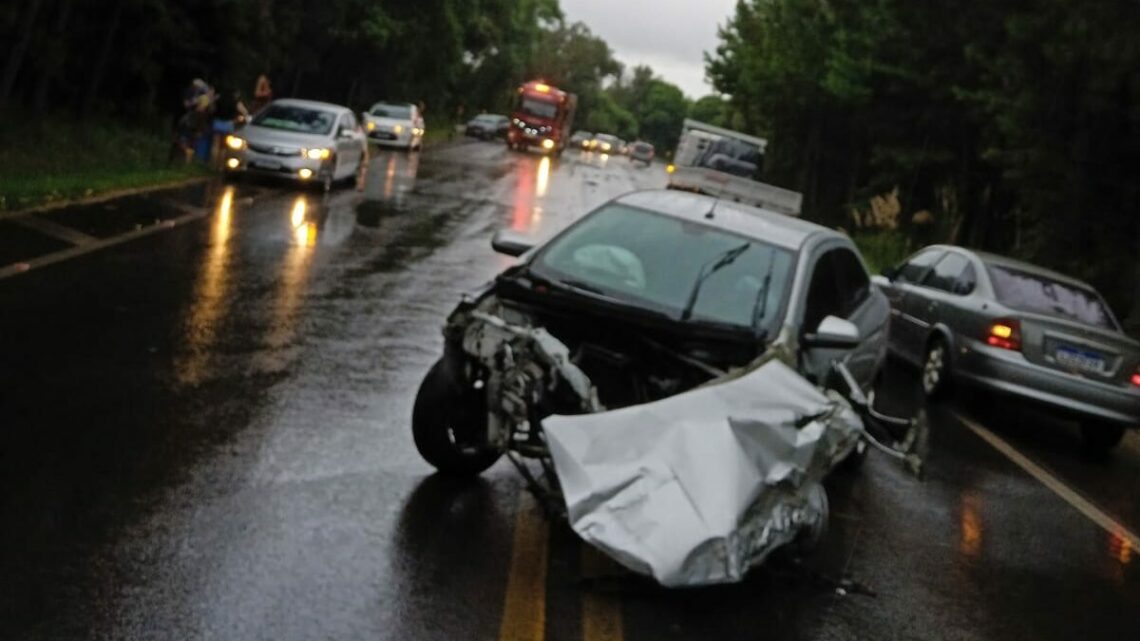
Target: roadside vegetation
{"x": 1004, "y": 125}
{"x": 45, "y": 161}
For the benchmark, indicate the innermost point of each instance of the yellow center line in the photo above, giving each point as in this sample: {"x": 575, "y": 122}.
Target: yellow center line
{"x": 524, "y": 607}
{"x": 601, "y": 613}
{"x": 1071, "y": 496}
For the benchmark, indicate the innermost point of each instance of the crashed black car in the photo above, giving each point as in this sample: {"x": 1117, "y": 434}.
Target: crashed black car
{"x": 650, "y": 295}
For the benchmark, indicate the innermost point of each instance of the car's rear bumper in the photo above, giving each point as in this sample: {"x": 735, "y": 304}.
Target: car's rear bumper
{"x": 1008, "y": 372}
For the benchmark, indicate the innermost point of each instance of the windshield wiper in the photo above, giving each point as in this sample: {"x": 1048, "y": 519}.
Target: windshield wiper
{"x": 708, "y": 269}
{"x": 760, "y": 307}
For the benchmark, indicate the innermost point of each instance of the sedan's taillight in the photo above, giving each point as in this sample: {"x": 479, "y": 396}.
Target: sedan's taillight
{"x": 1136, "y": 379}
{"x": 1005, "y": 333}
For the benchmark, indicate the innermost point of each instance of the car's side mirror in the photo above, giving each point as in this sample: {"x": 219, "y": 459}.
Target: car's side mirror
{"x": 511, "y": 243}
{"x": 345, "y": 133}
{"x": 833, "y": 333}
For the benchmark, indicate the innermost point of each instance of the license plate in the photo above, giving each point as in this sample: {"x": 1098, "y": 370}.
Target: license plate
{"x": 268, "y": 165}
{"x": 1079, "y": 359}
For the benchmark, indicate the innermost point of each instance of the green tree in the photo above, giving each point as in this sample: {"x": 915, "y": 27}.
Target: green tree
{"x": 711, "y": 109}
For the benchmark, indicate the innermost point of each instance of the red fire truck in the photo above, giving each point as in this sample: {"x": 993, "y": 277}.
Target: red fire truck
{"x": 541, "y": 118}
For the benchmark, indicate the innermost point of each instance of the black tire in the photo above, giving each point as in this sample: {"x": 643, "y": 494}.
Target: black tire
{"x": 444, "y": 413}
{"x": 935, "y": 374}
{"x": 1100, "y": 438}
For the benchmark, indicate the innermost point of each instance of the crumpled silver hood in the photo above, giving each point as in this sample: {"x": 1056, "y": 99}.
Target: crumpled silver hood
{"x": 697, "y": 488}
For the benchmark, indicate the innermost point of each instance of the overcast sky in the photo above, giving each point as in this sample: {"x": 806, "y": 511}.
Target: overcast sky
{"x": 668, "y": 35}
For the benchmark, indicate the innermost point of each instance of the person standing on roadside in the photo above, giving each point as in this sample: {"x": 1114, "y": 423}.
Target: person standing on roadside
{"x": 203, "y": 125}
{"x": 229, "y": 112}
{"x": 262, "y": 93}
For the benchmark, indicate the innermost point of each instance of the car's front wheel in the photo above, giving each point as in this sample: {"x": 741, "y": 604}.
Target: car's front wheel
{"x": 1100, "y": 437}
{"x": 936, "y": 370}
{"x": 449, "y": 422}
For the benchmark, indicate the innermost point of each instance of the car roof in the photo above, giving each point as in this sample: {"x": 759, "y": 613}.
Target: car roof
{"x": 1019, "y": 265}
{"x": 309, "y": 104}
{"x": 772, "y": 227}
{"x": 391, "y": 104}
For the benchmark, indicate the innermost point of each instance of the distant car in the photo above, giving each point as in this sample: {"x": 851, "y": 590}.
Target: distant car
{"x": 606, "y": 143}
{"x": 653, "y": 294}
{"x": 581, "y": 139}
{"x": 642, "y": 152}
{"x": 395, "y": 125}
{"x": 1011, "y": 327}
{"x": 488, "y": 126}
{"x": 302, "y": 140}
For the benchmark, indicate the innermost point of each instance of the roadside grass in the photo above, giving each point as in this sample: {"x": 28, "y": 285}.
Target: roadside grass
{"x": 882, "y": 249}
{"x": 53, "y": 158}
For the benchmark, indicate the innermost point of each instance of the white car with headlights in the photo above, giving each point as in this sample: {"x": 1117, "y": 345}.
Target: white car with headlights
{"x": 395, "y": 125}
{"x": 302, "y": 140}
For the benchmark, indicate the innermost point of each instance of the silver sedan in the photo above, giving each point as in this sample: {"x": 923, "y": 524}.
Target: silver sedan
{"x": 1018, "y": 329}
{"x": 300, "y": 140}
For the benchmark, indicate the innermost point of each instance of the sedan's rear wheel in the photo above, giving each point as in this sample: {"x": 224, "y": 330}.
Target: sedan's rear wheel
{"x": 936, "y": 370}
{"x": 1100, "y": 437}
{"x": 448, "y": 422}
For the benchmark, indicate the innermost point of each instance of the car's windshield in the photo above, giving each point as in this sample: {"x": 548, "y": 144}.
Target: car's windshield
{"x": 606, "y": 138}
{"x": 400, "y": 112}
{"x": 653, "y": 261}
{"x": 1043, "y": 295}
{"x": 295, "y": 118}
{"x": 538, "y": 108}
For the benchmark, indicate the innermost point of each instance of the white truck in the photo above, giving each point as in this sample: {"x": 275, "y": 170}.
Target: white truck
{"x": 726, "y": 164}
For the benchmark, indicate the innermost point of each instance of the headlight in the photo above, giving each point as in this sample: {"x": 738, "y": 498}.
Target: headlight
{"x": 548, "y": 144}
{"x": 606, "y": 146}
{"x": 235, "y": 143}
{"x": 670, "y": 169}
{"x": 316, "y": 154}
{"x": 398, "y": 129}
{"x": 371, "y": 126}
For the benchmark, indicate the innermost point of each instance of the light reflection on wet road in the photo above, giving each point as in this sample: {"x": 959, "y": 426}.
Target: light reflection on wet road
{"x": 205, "y": 437}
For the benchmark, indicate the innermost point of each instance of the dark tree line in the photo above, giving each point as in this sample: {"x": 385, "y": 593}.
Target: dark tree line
{"x": 1009, "y": 125}
{"x": 134, "y": 58}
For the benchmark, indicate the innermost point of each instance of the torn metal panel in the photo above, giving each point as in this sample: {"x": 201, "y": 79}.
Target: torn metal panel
{"x": 699, "y": 487}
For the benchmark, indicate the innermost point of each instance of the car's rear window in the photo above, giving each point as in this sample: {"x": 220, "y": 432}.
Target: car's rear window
{"x": 642, "y": 147}
{"x": 1040, "y": 294}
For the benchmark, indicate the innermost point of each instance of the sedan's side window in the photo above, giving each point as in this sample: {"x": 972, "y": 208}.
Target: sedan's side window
{"x": 949, "y": 274}
{"x": 854, "y": 284}
{"x": 916, "y": 268}
{"x": 823, "y": 297}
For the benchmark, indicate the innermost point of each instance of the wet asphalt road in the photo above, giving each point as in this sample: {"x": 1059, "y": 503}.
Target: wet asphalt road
{"x": 205, "y": 436}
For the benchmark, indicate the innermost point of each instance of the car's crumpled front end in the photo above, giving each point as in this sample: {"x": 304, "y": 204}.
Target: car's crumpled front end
{"x": 691, "y": 487}
{"x": 699, "y": 487}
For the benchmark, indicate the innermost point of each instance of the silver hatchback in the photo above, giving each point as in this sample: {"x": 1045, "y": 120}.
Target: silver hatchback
{"x": 1015, "y": 328}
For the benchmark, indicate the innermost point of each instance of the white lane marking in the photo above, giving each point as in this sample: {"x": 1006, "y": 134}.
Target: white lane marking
{"x": 55, "y": 230}
{"x": 1071, "y": 496}
{"x": 65, "y": 254}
